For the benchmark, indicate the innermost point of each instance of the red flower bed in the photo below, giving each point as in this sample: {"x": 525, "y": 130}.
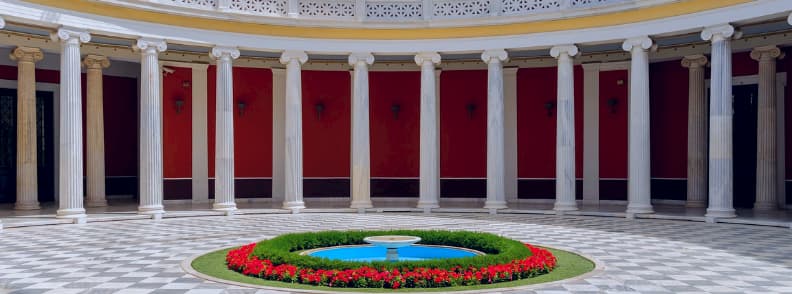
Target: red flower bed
{"x": 540, "y": 262}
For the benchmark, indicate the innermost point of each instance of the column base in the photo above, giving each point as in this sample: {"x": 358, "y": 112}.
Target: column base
{"x": 720, "y": 213}
{"x": 361, "y": 204}
{"x": 695, "y": 203}
{"x": 561, "y": 206}
{"x": 427, "y": 204}
{"x": 495, "y": 204}
{"x": 765, "y": 206}
{"x": 639, "y": 209}
{"x": 227, "y": 207}
{"x": 294, "y": 206}
{"x": 77, "y": 215}
{"x": 96, "y": 203}
{"x": 27, "y": 206}
{"x": 151, "y": 209}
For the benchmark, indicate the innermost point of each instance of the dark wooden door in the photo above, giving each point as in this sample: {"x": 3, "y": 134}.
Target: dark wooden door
{"x": 45, "y": 139}
{"x": 745, "y": 115}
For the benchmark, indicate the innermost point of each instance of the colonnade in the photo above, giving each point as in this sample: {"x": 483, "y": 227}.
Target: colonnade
{"x": 718, "y": 167}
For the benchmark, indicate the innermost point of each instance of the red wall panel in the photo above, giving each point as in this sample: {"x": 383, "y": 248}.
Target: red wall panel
{"x": 536, "y": 130}
{"x": 463, "y": 135}
{"x": 326, "y": 137}
{"x": 669, "y": 111}
{"x": 395, "y": 140}
{"x": 613, "y": 124}
{"x": 177, "y": 124}
{"x": 252, "y": 127}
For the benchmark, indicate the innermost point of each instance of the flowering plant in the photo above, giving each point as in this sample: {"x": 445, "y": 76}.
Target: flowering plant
{"x": 541, "y": 261}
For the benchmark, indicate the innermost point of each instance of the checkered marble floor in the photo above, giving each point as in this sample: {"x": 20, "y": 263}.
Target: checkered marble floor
{"x": 639, "y": 256}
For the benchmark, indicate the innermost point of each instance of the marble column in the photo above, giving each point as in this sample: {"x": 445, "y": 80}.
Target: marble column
{"x": 721, "y": 160}
{"x": 26, "y": 164}
{"x": 565, "y": 129}
{"x": 70, "y": 180}
{"x": 150, "y": 127}
{"x": 510, "y": 128}
{"x": 293, "y": 186}
{"x": 361, "y": 171}
{"x": 697, "y": 132}
{"x": 430, "y": 131}
{"x": 496, "y": 168}
{"x": 95, "y": 159}
{"x": 278, "y": 134}
{"x": 224, "y": 130}
{"x": 639, "y": 177}
{"x": 766, "y": 159}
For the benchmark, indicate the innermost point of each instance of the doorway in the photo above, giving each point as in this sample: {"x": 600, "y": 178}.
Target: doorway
{"x": 45, "y": 155}
{"x": 744, "y": 140}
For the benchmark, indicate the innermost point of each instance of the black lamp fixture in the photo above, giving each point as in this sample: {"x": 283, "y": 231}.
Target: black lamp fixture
{"x": 395, "y": 109}
{"x": 241, "y": 105}
{"x": 179, "y": 102}
{"x": 319, "y": 107}
{"x": 471, "y": 108}
{"x": 612, "y": 102}
{"x": 549, "y": 105}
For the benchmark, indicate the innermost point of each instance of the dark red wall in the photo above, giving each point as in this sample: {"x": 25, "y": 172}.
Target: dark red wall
{"x": 669, "y": 111}
{"x": 463, "y": 137}
{"x": 536, "y": 131}
{"x": 613, "y": 124}
{"x": 395, "y": 140}
{"x": 252, "y": 128}
{"x": 326, "y": 137}
{"x": 177, "y": 126}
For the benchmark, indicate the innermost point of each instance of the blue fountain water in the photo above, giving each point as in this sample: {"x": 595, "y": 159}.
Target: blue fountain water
{"x": 374, "y": 253}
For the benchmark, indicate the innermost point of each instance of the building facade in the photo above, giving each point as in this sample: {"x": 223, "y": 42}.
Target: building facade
{"x": 363, "y": 103}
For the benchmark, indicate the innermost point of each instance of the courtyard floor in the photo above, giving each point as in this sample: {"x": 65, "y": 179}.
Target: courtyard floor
{"x": 637, "y": 255}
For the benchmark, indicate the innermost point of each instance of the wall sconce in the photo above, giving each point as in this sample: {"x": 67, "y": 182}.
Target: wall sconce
{"x": 612, "y": 104}
{"x": 319, "y": 107}
{"x": 179, "y": 104}
{"x": 395, "y": 109}
{"x": 549, "y": 105}
{"x": 471, "y": 107}
{"x": 241, "y": 105}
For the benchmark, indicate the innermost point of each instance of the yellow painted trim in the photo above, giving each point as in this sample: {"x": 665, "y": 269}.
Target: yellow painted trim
{"x": 601, "y": 20}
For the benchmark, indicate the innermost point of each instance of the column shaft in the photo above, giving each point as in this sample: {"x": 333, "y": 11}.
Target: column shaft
{"x": 766, "y": 160}
{"x": 697, "y": 132}
{"x": 639, "y": 177}
{"x": 278, "y": 133}
{"x": 361, "y": 171}
{"x": 293, "y": 186}
{"x": 26, "y": 161}
{"x": 150, "y": 128}
{"x": 224, "y": 130}
{"x": 95, "y": 170}
{"x": 496, "y": 168}
{"x": 71, "y": 134}
{"x": 565, "y": 129}
{"x": 429, "y": 137}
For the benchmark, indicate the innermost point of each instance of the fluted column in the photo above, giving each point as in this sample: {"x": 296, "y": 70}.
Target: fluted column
{"x": 565, "y": 129}
{"x": 26, "y": 164}
{"x": 639, "y": 178}
{"x": 721, "y": 160}
{"x": 361, "y": 171}
{"x": 95, "y": 169}
{"x": 766, "y": 162}
{"x": 293, "y": 187}
{"x": 697, "y": 132}
{"x": 278, "y": 133}
{"x": 150, "y": 127}
{"x": 496, "y": 168}
{"x": 430, "y": 140}
{"x": 70, "y": 173}
{"x": 224, "y": 130}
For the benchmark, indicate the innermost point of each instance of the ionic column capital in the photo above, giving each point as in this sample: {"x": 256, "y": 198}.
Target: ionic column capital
{"x": 358, "y": 57}
{"x": 151, "y": 46}
{"x": 694, "y": 61}
{"x": 494, "y": 55}
{"x": 289, "y": 55}
{"x": 96, "y": 61}
{"x": 26, "y": 54}
{"x": 570, "y": 50}
{"x": 642, "y": 42}
{"x": 766, "y": 53}
{"x": 718, "y": 32}
{"x": 424, "y": 57}
{"x": 218, "y": 52}
{"x": 71, "y": 35}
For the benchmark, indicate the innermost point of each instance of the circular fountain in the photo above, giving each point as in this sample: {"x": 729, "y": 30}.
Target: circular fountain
{"x": 392, "y": 244}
